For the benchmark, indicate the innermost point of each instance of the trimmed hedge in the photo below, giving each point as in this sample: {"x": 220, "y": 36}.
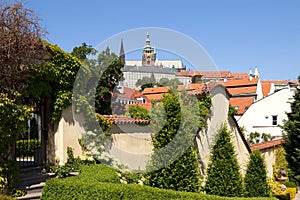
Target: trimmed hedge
{"x": 98, "y": 173}
{"x": 72, "y": 188}
{"x": 27, "y": 147}
{"x": 102, "y": 182}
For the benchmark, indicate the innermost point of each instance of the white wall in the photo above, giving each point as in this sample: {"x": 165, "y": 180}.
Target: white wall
{"x": 258, "y": 117}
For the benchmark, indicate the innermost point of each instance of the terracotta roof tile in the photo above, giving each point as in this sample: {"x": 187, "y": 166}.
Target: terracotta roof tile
{"x": 122, "y": 119}
{"x": 266, "y": 145}
{"x": 155, "y": 90}
{"x": 154, "y": 96}
{"x": 128, "y": 94}
{"x": 242, "y": 103}
{"x": 266, "y": 87}
{"x": 239, "y": 75}
{"x": 240, "y": 82}
{"x": 189, "y": 73}
{"x": 242, "y": 90}
{"x": 147, "y": 106}
{"x": 277, "y": 82}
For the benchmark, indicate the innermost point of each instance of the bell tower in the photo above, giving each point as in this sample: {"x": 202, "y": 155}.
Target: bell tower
{"x": 149, "y": 55}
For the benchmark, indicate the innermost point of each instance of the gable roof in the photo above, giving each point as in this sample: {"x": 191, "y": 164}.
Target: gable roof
{"x": 266, "y": 88}
{"x": 266, "y": 145}
{"x": 242, "y": 103}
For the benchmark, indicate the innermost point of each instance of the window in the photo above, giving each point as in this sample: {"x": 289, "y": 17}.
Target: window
{"x": 274, "y": 120}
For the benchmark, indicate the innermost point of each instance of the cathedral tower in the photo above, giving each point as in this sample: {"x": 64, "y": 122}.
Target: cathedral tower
{"x": 149, "y": 55}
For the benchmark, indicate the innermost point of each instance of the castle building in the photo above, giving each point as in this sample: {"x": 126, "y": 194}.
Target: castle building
{"x": 149, "y": 65}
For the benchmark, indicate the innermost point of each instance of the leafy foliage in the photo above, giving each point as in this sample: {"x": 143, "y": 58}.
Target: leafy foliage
{"x": 54, "y": 79}
{"x": 280, "y": 160}
{"x": 224, "y": 178}
{"x": 256, "y": 184}
{"x": 102, "y": 182}
{"x": 182, "y": 174}
{"x": 146, "y": 82}
{"x": 83, "y": 51}
{"x": 27, "y": 147}
{"x": 110, "y": 70}
{"x": 292, "y": 137}
{"x": 135, "y": 111}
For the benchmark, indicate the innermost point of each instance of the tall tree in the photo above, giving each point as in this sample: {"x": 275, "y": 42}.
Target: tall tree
{"x": 110, "y": 69}
{"x": 223, "y": 173}
{"x": 21, "y": 46}
{"x": 182, "y": 174}
{"x": 292, "y": 137}
{"x": 82, "y": 52}
{"x": 256, "y": 184}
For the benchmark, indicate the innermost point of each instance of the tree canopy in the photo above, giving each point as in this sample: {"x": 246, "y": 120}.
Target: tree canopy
{"x": 21, "y": 46}
{"x": 223, "y": 173}
{"x": 256, "y": 184}
{"x": 292, "y": 137}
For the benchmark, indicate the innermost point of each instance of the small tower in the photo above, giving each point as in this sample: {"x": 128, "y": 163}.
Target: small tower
{"x": 256, "y": 73}
{"x": 122, "y": 53}
{"x": 149, "y": 55}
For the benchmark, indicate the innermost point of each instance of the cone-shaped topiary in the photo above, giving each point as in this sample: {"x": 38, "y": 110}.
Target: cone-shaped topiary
{"x": 256, "y": 184}
{"x": 223, "y": 173}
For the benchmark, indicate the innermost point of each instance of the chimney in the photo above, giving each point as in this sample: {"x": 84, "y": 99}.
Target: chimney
{"x": 250, "y": 78}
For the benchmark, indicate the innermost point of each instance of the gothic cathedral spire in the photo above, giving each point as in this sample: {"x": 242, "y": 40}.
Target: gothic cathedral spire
{"x": 122, "y": 53}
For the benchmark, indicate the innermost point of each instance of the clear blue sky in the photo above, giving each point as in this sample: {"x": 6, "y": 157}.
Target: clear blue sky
{"x": 237, "y": 34}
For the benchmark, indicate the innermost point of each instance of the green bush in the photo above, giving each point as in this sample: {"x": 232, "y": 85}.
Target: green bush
{"x": 27, "y": 147}
{"x": 102, "y": 182}
{"x": 98, "y": 173}
{"x": 5, "y": 197}
{"x": 290, "y": 184}
{"x": 72, "y": 188}
{"x": 223, "y": 173}
{"x": 256, "y": 184}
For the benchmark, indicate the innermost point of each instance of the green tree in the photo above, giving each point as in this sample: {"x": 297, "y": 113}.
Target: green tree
{"x": 136, "y": 111}
{"x": 146, "y": 82}
{"x": 83, "y": 51}
{"x": 110, "y": 66}
{"x": 292, "y": 137}
{"x": 171, "y": 120}
{"x": 256, "y": 184}
{"x": 223, "y": 173}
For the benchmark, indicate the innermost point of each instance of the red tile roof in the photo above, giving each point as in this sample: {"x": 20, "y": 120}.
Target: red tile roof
{"x": 216, "y": 74}
{"x": 242, "y": 90}
{"x": 277, "y": 82}
{"x": 189, "y": 73}
{"x": 239, "y": 76}
{"x": 155, "y": 90}
{"x": 128, "y": 94}
{"x": 266, "y": 145}
{"x": 243, "y": 103}
{"x": 266, "y": 87}
{"x": 122, "y": 119}
{"x": 240, "y": 82}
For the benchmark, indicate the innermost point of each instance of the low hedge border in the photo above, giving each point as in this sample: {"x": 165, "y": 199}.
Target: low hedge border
{"x": 72, "y": 188}
{"x": 102, "y": 182}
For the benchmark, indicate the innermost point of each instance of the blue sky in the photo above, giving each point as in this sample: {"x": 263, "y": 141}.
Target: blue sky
{"x": 237, "y": 34}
